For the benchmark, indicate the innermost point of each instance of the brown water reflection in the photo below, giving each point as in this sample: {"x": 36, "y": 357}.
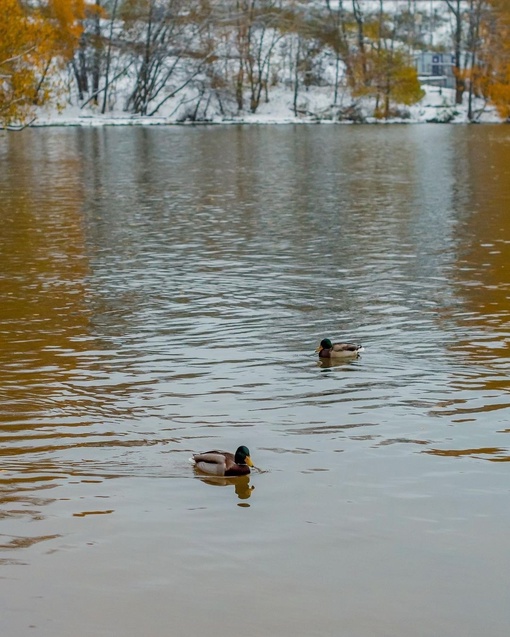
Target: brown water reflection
{"x": 241, "y": 484}
{"x": 163, "y": 291}
{"x": 495, "y": 454}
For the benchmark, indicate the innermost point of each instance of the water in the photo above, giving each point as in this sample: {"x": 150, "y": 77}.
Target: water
{"x": 163, "y": 291}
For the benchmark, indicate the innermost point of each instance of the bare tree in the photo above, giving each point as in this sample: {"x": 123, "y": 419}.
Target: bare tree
{"x": 339, "y": 41}
{"x": 477, "y": 8}
{"x": 359, "y": 19}
{"x": 109, "y": 55}
{"x": 457, "y": 10}
{"x": 256, "y": 33}
{"x": 166, "y": 51}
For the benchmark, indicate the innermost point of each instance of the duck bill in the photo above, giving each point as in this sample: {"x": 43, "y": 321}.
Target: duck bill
{"x": 248, "y": 461}
{"x": 319, "y": 349}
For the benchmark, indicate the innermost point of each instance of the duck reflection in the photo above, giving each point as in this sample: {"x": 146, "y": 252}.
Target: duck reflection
{"x": 241, "y": 484}
{"x": 327, "y": 363}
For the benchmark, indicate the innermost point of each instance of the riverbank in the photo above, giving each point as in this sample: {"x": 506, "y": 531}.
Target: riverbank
{"x": 437, "y": 106}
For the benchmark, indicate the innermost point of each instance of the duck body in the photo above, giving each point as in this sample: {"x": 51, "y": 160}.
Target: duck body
{"x": 327, "y": 349}
{"x": 224, "y": 463}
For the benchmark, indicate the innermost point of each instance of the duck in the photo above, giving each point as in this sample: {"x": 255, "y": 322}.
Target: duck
{"x": 224, "y": 463}
{"x": 327, "y": 349}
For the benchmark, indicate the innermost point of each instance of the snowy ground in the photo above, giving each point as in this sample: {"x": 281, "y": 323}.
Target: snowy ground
{"x": 314, "y": 106}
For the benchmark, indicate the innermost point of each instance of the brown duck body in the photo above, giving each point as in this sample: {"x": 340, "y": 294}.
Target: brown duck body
{"x": 224, "y": 463}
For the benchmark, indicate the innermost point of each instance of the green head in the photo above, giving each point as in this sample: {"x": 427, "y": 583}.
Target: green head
{"x": 325, "y": 344}
{"x": 243, "y": 456}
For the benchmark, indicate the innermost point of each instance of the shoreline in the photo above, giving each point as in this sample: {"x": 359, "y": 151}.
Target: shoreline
{"x": 92, "y": 122}
{"x": 436, "y": 107}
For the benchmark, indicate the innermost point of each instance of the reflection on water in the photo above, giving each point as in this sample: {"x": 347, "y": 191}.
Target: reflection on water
{"x": 240, "y": 484}
{"x": 326, "y": 363}
{"x": 493, "y": 454}
{"x": 164, "y": 289}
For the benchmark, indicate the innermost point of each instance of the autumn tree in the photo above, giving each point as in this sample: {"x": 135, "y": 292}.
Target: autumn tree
{"x": 491, "y": 78}
{"x": 35, "y": 38}
{"x": 386, "y": 71}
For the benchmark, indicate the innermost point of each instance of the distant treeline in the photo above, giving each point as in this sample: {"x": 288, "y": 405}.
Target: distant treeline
{"x": 199, "y": 55}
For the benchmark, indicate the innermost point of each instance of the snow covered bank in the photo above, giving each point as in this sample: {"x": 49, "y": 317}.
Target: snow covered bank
{"x": 315, "y": 107}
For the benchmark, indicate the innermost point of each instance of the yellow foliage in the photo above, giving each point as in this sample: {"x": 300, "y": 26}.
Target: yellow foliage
{"x": 32, "y": 39}
{"x": 500, "y": 96}
{"x": 406, "y": 87}
{"x": 491, "y": 76}
{"x": 65, "y": 17}
{"x": 390, "y": 77}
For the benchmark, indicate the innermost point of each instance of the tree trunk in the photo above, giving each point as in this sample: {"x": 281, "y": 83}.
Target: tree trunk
{"x": 296, "y": 74}
{"x": 358, "y": 17}
{"x": 108, "y": 57}
{"x": 474, "y": 28}
{"x": 339, "y": 21}
{"x": 456, "y": 9}
{"x": 96, "y": 66}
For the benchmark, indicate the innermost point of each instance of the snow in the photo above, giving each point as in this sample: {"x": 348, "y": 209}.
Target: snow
{"x": 314, "y": 106}
{"x": 192, "y": 97}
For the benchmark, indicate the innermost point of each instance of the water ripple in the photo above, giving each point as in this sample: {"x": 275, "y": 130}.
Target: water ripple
{"x": 146, "y": 314}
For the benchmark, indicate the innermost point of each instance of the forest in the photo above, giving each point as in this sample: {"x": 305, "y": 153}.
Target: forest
{"x": 229, "y": 55}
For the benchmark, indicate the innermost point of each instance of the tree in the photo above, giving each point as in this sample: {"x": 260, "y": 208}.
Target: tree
{"x": 491, "y": 77}
{"x": 166, "y": 49}
{"x": 477, "y": 10}
{"x": 361, "y": 66}
{"x": 386, "y": 70}
{"x": 34, "y": 38}
{"x": 335, "y": 34}
{"x": 262, "y": 39}
{"x": 250, "y": 32}
{"x": 457, "y": 9}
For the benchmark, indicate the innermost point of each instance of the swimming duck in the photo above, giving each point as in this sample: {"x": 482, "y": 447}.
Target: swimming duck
{"x": 327, "y": 349}
{"x": 224, "y": 463}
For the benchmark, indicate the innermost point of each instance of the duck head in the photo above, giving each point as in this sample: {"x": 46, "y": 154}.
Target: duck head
{"x": 325, "y": 344}
{"x": 243, "y": 456}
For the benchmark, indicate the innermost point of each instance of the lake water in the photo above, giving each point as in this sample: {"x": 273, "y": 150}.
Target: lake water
{"x": 163, "y": 291}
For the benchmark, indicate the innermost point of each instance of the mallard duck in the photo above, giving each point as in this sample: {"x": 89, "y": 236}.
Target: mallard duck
{"x": 327, "y": 349}
{"x": 224, "y": 463}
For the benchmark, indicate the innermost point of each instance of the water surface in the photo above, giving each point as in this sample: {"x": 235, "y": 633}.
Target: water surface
{"x": 163, "y": 291}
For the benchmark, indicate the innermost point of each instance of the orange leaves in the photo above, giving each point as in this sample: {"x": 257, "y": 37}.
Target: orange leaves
{"x": 13, "y": 29}
{"x": 60, "y": 23}
{"x": 65, "y": 21}
{"x": 491, "y": 75}
{"x": 499, "y": 94}
{"x": 16, "y": 50}
{"x": 405, "y": 88}
{"x": 32, "y": 38}
{"x": 389, "y": 77}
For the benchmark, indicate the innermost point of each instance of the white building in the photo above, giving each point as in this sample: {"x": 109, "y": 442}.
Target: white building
{"x": 436, "y": 68}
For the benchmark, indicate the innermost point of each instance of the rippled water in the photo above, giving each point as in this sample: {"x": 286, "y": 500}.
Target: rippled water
{"x": 163, "y": 291}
